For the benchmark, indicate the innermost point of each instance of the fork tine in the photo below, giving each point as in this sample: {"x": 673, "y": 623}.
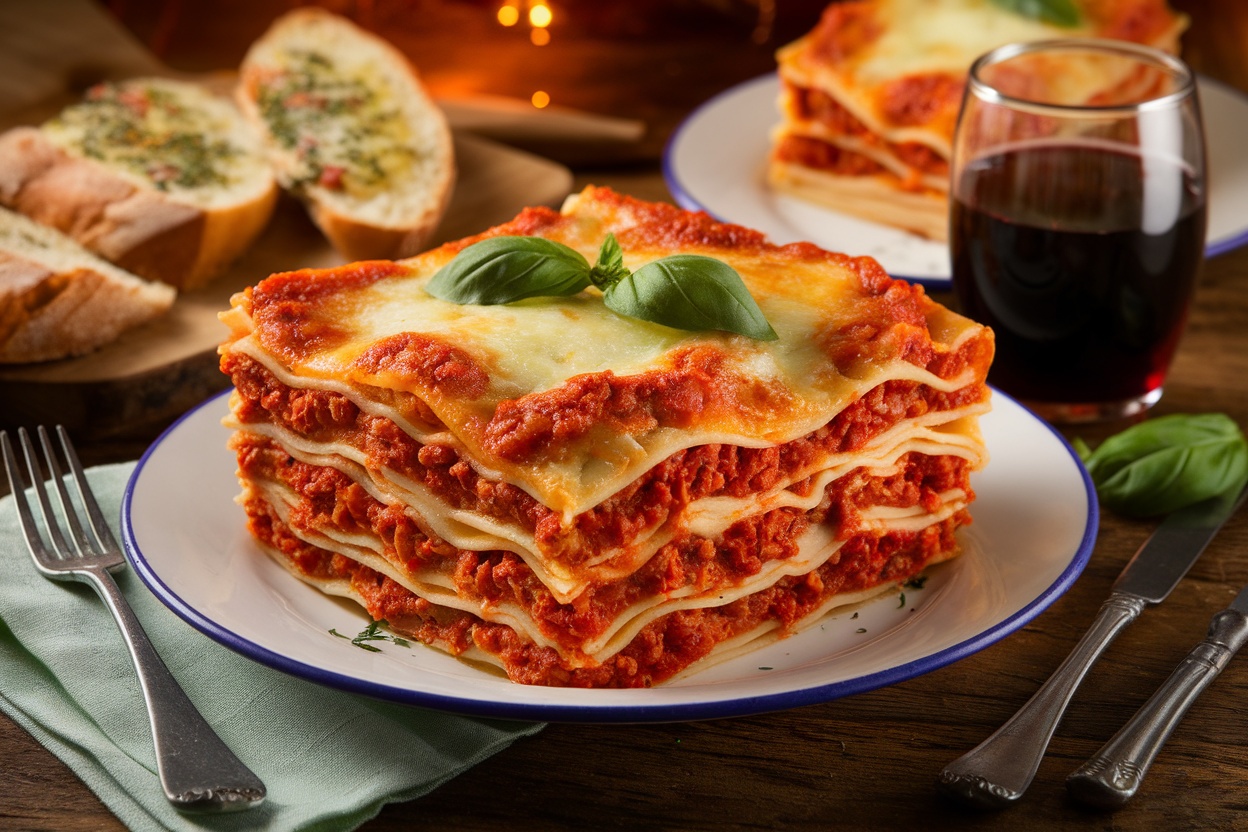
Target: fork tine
{"x": 11, "y": 470}
{"x": 59, "y": 546}
{"x": 81, "y": 543}
{"x": 95, "y": 517}
{"x": 18, "y": 489}
{"x": 34, "y": 541}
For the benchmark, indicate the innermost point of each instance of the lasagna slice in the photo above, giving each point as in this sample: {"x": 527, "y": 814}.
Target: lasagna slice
{"x": 870, "y": 97}
{"x": 586, "y": 499}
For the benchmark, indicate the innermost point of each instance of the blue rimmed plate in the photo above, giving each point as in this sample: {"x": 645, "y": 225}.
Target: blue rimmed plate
{"x": 1035, "y": 525}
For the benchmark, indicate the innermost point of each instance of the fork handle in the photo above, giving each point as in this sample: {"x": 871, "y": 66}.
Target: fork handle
{"x": 994, "y": 774}
{"x": 197, "y": 771}
{"x": 1112, "y": 776}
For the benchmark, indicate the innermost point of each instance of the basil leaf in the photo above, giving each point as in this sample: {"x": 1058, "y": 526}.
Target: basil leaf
{"x": 505, "y": 269}
{"x": 689, "y": 291}
{"x": 610, "y": 268}
{"x": 1167, "y": 463}
{"x": 684, "y": 291}
{"x": 1057, "y": 12}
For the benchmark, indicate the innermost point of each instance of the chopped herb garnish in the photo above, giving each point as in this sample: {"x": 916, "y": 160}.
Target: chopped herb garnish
{"x": 861, "y": 630}
{"x": 332, "y": 118}
{"x": 148, "y": 132}
{"x": 917, "y": 582}
{"x": 373, "y": 632}
{"x": 902, "y": 601}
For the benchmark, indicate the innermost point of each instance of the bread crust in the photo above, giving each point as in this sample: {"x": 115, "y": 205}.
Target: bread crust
{"x": 57, "y": 301}
{"x": 394, "y": 222}
{"x": 126, "y": 221}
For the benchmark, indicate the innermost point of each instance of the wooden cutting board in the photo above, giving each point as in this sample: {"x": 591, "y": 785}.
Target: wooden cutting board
{"x": 156, "y": 372}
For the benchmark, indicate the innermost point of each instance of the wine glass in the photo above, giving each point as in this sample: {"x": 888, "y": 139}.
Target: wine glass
{"x": 1077, "y": 220}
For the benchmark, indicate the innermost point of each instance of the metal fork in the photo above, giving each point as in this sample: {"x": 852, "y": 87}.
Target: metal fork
{"x": 197, "y": 771}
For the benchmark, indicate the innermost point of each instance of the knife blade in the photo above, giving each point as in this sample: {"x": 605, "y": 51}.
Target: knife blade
{"x": 1113, "y": 775}
{"x": 1165, "y": 557}
{"x": 997, "y": 772}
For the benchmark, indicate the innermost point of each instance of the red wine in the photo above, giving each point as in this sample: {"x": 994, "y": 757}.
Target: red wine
{"x": 1082, "y": 266}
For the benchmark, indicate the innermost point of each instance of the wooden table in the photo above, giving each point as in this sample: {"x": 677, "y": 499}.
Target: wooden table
{"x": 868, "y": 761}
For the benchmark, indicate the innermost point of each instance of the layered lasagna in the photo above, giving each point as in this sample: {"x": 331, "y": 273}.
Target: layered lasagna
{"x": 585, "y": 499}
{"x": 870, "y": 97}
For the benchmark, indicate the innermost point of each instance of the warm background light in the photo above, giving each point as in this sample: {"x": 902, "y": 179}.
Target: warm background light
{"x": 540, "y": 99}
{"x": 540, "y": 15}
{"x": 508, "y": 14}
{"x": 644, "y": 60}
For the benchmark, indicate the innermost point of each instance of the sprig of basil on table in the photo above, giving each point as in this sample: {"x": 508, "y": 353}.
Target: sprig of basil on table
{"x": 1166, "y": 463}
{"x": 1057, "y": 12}
{"x": 684, "y": 291}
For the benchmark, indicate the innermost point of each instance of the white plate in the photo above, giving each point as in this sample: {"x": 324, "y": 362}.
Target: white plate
{"x": 1035, "y": 524}
{"x": 716, "y": 161}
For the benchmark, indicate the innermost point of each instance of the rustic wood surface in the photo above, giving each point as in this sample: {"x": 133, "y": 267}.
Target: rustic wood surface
{"x": 868, "y": 761}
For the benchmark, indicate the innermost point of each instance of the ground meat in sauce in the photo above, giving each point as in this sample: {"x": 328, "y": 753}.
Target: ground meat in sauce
{"x": 329, "y": 498}
{"x": 645, "y": 504}
{"x": 661, "y": 649}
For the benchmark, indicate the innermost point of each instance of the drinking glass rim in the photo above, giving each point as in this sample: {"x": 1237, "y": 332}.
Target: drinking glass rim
{"x": 1164, "y": 60}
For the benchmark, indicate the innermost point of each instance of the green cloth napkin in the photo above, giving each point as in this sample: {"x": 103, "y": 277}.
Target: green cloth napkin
{"x": 330, "y": 759}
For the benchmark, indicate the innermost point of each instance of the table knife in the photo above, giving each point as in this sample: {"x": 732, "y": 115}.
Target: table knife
{"x": 1112, "y": 777}
{"x": 995, "y": 773}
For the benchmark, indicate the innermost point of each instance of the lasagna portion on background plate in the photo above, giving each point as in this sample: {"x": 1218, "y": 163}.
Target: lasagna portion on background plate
{"x": 586, "y": 499}
{"x": 870, "y": 97}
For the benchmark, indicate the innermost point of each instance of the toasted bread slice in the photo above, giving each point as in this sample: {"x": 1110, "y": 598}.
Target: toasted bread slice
{"x": 58, "y": 300}
{"x": 158, "y": 176}
{"x": 351, "y": 131}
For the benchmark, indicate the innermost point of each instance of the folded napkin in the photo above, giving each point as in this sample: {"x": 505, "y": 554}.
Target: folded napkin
{"x": 330, "y": 759}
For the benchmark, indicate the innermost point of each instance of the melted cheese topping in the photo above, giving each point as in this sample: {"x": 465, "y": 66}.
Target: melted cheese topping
{"x": 844, "y": 328}
{"x": 922, "y": 36}
{"x": 867, "y": 54}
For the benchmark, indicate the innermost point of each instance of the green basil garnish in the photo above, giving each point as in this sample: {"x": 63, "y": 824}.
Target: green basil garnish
{"x": 506, "y": 269}
{"x": 689, "y": 291}
{"x": 1164, "y": 464}
{"x": 685, "y": 291}
{"x": 1057, "y": 12}
{"x": 610, "y": 268}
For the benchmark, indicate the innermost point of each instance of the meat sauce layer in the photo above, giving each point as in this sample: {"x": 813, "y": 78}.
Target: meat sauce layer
{"x": 817, "y": 106}
{"x": 329, "y": 499}
{"x": 653, "y": 499}
{"x": 662, "y": 649}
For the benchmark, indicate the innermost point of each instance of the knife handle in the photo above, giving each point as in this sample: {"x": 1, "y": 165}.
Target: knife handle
{"x": 995, "y": 773}
{"x": 1112, "y": 777}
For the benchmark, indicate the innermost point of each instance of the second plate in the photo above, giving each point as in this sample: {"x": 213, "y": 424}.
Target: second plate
{"x": 716, "y": 161}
